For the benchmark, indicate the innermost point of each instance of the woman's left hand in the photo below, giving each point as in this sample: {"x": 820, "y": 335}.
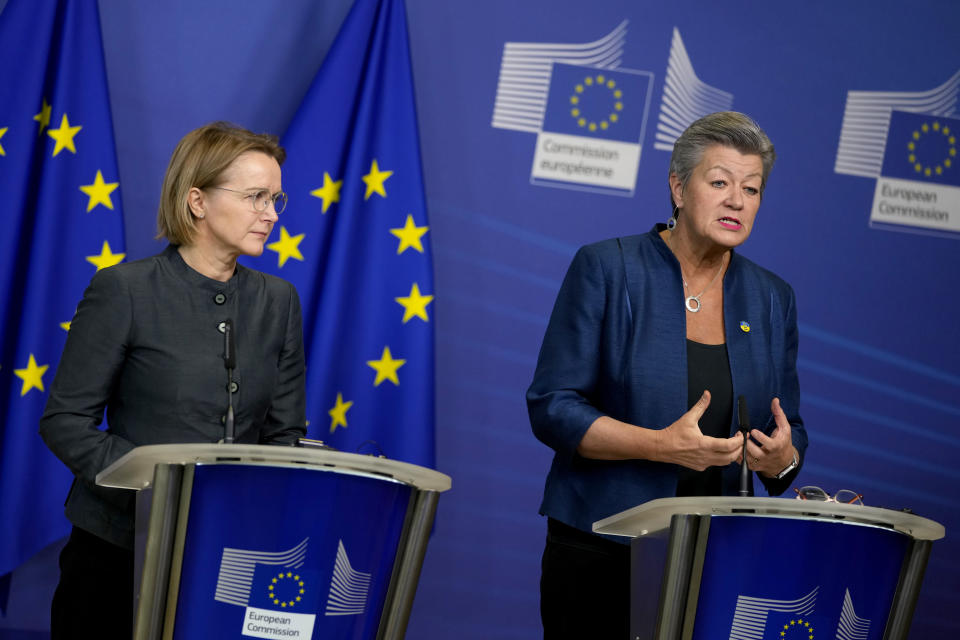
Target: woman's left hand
{"x": 774, "y": 452}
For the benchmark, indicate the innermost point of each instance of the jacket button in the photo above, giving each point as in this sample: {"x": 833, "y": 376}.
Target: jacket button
{"x": 222, "y": 327}
{"x": 234, "y": 387}
{"x": 219, "y": 298}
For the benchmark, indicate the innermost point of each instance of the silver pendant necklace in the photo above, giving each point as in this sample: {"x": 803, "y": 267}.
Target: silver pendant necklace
{"x": 692, "y": 303}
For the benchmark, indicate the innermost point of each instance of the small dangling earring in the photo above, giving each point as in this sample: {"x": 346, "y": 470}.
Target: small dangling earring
{"x": 672, "y": 222}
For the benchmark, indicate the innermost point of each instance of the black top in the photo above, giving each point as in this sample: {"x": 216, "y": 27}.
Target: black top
{"x": 146, "y": 345}
{"x": 708, "y": 367}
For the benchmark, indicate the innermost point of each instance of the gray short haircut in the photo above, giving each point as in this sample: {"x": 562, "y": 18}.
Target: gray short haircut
{"x": 726, "y": 128}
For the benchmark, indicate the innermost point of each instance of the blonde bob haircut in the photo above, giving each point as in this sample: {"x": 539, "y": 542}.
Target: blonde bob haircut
{"x": 199, "y": 160}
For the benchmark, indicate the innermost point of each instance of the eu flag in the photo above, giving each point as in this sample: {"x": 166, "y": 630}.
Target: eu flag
{"x": 62, "y": 222}
{"x": 355, "y": 242}
{"x": 599, "y": 103}
{"x": 923, "y": 148}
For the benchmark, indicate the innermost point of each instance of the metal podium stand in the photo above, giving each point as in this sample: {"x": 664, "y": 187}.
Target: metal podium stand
{"x": 252, "y": 541}
{"x": 756, "y": 568}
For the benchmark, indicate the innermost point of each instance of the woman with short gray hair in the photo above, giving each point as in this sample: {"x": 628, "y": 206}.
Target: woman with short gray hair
{"x": 650, "y": 340}
{"x": 724, "y": 128}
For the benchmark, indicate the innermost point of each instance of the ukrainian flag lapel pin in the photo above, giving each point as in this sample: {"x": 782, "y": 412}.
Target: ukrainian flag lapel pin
{"x": 744, "y": 326}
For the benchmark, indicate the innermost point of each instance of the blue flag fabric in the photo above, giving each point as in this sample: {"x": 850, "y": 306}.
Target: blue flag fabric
{"x": 355, "y": 242}
{"x": 61, "y": 210}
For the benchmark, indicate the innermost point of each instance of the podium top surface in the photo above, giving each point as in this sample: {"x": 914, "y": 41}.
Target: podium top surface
{"x": 135, "y": 469}
{"x": 654, "y": 516}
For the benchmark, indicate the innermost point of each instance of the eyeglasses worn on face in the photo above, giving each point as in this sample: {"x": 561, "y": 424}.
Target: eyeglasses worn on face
{"x": 261, "y": 199}
{"x": 844, "y": 496}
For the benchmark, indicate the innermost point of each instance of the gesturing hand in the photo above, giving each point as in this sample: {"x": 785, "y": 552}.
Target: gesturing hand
{"x": 683, "y": 443}
{"x": 774, "y": 452}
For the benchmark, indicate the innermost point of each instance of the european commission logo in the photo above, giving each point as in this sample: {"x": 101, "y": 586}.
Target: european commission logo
{"x": 281, "y": 596}
{"x": 589, "y": 113}
{"x": 761, "y": 618}
{"x": 592, "y": 127}
{"x": 908, "y": 143}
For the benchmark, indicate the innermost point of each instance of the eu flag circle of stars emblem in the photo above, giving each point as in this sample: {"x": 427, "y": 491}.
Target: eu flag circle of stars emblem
{"x": 286, "y": 589}
{"x": 606, "y": 94}
{"x": 797, "y": 629}
{"x": 943, "y": 145}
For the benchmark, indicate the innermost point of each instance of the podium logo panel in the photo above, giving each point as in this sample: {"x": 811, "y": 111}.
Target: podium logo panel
{"x": 760, "y": 618}
{"x": 319, "y": 565}
{"x": 281, "y": 597}
{"x": 803, "y": 578}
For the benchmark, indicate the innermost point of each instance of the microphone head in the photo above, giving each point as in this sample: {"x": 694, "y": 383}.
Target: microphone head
{"x": 743, "y": 416}
{"x": 229, "y": 346}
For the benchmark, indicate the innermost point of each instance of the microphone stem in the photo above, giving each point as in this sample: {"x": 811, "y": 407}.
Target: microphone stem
{"x": 743, "y": 421}
{"x": 744, "y": 471}
{"x": 229, "y": 361}
{"x": 229, "y": 425}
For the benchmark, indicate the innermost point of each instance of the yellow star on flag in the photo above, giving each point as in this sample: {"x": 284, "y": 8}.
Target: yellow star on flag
{"x": 287, "y": 246}
{"x": 106, "y": 257}
{"x": 415, "y": 304}
{"x": 65, "y": 326}
{"x": 43, "y": 117}
{"x": 375, "y": 179}
{"x": 329, "y": 192}
{"x": 409, "y": 235}
{"x": 386, "y": 368}
{"x": 338, "y": 415}
{"x": 99, "y": 192}
{"x": 32, "y": 376}
{"x": 64, "y": 136}
{"x": 3, "y": 132}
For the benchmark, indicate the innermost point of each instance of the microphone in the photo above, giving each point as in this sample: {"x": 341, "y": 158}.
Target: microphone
{"x": 230, "y": 363}
{"x": 230, "y": 348}
{"x": 743, "y": 421}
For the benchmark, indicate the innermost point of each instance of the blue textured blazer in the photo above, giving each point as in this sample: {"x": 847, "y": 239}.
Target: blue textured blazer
{"x": 616, "y": 345}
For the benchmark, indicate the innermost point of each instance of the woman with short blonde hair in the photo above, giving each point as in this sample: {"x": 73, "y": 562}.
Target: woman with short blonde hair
{"x": 147, "y": 347}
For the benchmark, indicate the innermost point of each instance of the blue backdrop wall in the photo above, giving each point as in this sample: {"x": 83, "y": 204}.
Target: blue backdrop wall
{"x": 879, "y": 369}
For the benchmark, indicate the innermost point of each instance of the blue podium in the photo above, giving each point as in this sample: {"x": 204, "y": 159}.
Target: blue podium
{"x": 772, "y": 568}
{"x": 250, "y": 541}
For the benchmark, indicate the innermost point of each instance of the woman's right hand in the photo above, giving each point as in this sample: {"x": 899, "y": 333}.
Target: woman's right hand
{"x": 683, "y": 443}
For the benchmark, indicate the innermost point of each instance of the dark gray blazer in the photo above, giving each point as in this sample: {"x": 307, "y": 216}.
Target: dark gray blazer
{"x": 145, "y": 345}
